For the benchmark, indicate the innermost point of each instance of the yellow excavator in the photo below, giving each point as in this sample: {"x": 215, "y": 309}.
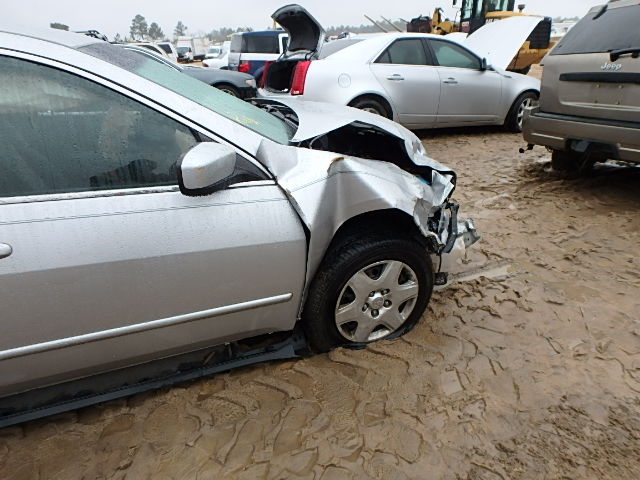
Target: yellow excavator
{"x": 473, "y": 14}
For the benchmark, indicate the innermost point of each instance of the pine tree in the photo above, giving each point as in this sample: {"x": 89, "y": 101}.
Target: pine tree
{"x": 139, "y": 28}
{"x": 155, "y": 32}
{"x": 180, "y": 29}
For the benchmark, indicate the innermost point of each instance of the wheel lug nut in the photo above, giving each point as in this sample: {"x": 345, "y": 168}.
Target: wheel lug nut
{"x": 374, "y": 313}
{"x": 364, "y": 307}
{"x": 372, "y": 294}
{"x": 387, "y": 303}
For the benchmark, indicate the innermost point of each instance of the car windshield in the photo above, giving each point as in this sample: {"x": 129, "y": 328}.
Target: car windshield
{"x": 604, "y": 30}
{"x": 226, "y": 105}
{"x": 155, "y": 57}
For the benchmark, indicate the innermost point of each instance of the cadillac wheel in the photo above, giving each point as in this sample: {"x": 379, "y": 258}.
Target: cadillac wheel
{"x": 368, "y": 289}
{"x": 515, "y": 117}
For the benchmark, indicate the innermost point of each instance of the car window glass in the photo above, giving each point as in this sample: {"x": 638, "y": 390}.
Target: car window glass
{"x": 451, "y": 55}
{"x": 614, "y": 29}
{"x": 408, "y": 51}
{"x": 236, "y": 43}
{"x": 467, "y": 10}
{"x": 150, "y": 56}
{"x": 63, "y": 133}
{"x": 257, "y": 43}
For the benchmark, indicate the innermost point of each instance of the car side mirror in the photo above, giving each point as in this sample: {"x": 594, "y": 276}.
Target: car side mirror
{"x": 206, "y": 168}
{"x": 484, "y": 65}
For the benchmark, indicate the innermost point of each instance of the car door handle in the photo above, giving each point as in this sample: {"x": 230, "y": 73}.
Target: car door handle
{"x": 395, "y": 77}
{"x": 450, "y": 81}
{"x": 5, "y": 250}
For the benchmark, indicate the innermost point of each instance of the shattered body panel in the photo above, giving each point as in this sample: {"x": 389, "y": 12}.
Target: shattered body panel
{"x": 327, "y": 188}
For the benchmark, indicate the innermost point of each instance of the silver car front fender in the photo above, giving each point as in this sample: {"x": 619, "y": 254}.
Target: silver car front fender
{"x": 327, "y": 189}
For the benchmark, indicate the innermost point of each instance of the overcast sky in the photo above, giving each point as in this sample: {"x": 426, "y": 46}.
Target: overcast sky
{"x": 111, "y": 16}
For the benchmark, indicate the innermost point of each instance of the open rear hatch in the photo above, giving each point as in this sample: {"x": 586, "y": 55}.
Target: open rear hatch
{"x": 306, "y": 37}
{"x": 595, "y": 68}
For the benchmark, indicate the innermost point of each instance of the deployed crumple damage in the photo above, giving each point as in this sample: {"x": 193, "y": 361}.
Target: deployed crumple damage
{"x": 327, "y": 188}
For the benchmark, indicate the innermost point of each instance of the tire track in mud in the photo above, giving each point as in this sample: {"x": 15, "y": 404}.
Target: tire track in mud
{"x": 526, "y": 366}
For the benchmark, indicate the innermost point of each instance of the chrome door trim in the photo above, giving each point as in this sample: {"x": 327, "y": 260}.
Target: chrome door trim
{"x": 53, "y": 197}
{"x": 135, "y": 96}
{"x": 141, "y": 327}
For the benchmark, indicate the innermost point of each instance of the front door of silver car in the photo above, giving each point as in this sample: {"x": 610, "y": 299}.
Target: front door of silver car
{"x": 103, "y": 262}
{"x": 470, "y": 94}
{"x": 406, "y": 72}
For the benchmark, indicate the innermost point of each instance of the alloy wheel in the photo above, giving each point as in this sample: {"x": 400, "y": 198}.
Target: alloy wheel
{"x": 526, "y": 103}
{"x": 376, "y": 301}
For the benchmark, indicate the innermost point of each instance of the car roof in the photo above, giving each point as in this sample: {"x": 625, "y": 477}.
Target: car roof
{"x": 53, "y": 35}
{"x": 367, "y": 46}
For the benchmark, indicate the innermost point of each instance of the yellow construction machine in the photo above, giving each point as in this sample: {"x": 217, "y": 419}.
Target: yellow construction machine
{"x": 473, "y": 14}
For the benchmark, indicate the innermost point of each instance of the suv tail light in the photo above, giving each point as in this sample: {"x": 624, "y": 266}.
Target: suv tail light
{"x": 244, "y": 67}
{"x": 265, "y": 72}
{"x": 300, "y": 77}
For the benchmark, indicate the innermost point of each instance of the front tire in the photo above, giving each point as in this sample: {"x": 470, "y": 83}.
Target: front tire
{"x": 515, "y": 117}
{"x": 371, "y": 105}
{"x": 367, "y": 289}
{"x": 231, "y": 90}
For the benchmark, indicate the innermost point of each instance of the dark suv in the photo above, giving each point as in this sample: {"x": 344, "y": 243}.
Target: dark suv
{"x": 589, "y": 107}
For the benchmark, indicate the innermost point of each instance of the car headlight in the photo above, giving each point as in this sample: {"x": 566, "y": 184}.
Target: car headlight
{"x": 251, "y": 82}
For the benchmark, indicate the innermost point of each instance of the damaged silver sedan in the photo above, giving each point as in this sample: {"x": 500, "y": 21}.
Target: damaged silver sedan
{"x": 144, "y": 215}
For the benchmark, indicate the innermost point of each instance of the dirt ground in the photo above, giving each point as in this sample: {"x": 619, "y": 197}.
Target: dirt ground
{"x": 527, "y": 367}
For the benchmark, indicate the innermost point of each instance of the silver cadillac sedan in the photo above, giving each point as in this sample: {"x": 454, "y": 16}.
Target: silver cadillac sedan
{"x": 144, "y": 215}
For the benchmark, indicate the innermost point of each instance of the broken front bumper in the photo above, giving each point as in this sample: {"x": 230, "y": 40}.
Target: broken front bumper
{"x": 455, "y": 237}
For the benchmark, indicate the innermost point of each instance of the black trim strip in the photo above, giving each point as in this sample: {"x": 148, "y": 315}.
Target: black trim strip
{"x": 292, "y": 347}
{"x": 592, "y": 121}
{"x": 601, "y": 77}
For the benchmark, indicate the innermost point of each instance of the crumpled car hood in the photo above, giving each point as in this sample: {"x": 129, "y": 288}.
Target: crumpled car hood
{"x": 328, "y": 188}
{"x": 318, "y": 118}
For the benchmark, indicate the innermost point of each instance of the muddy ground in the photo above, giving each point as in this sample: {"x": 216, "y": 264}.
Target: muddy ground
{"x": 530, "y": 371}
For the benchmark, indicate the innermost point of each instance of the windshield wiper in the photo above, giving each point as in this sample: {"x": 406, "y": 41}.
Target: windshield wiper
{"x": 616, "y": 54}
{"x": 602, "y": 11}
{"x": 279, "y": 113}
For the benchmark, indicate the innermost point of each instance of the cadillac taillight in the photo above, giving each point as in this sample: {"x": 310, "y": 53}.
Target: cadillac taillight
{"x": 299, "y": 77}
{"x": 265, "y": 72}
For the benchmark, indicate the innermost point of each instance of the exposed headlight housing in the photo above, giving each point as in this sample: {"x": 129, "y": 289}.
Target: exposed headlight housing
{"x": 251, "y": 82}
{"x": 418, "y": 147}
